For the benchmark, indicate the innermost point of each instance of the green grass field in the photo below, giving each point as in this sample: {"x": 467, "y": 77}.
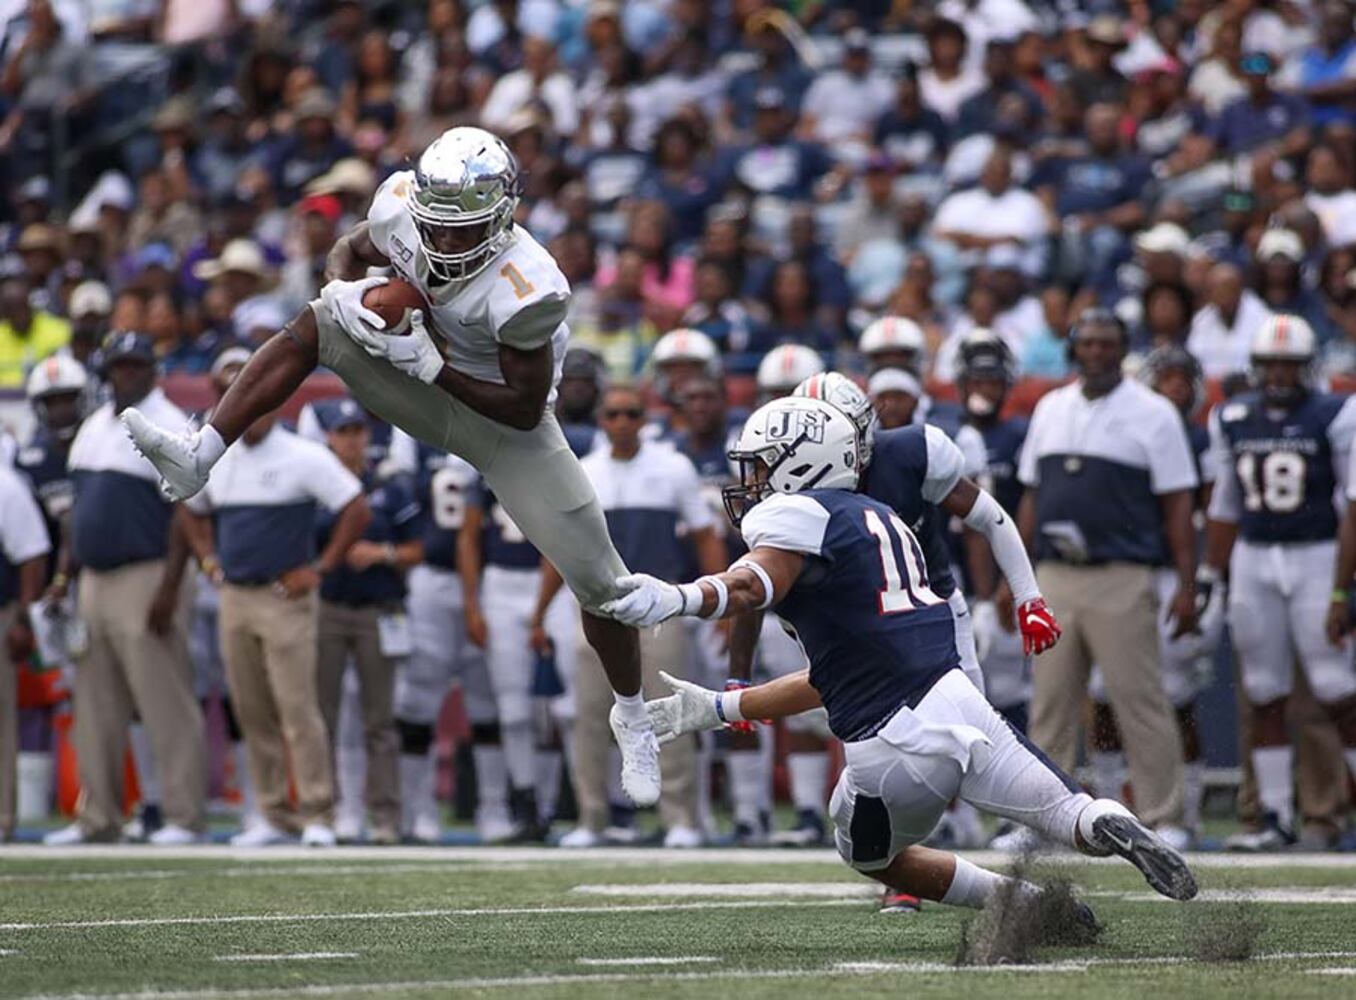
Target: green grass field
{"x": 541, "y": 923}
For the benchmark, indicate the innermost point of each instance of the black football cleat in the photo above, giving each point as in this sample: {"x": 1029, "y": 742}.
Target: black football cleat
{"x": 1163, "y": 868}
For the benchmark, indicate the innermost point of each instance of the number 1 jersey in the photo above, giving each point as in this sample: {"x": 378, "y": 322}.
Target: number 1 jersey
{"x": 876, "y": 634}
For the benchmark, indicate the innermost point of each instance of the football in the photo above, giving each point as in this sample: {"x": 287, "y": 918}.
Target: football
{"x": 393, "y": 302}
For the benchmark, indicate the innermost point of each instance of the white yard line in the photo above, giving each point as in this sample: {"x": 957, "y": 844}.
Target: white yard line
{"x": 651, "y": 960}
{"x": 263, "y": 869}
{"x": 1341, "y": 970}
{"x": 511, "y": 982}
{"x": 482, "y": 911}
{"x": 1301, "y": 895}
{"x": 601, "y": 856}
{"x": 300, "y": 956}
{"x": 732, "y": 890}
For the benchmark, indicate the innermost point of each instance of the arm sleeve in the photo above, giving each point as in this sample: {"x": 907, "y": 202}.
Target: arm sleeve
{"x": 1171, "y": 465}
{"x": 987, "y": 517}
{"x": 1224, "y": 500}
{"x": 23, "y": 534}
{"x": 971, "y": 444}
{"x": 946, "y": 465}
{"x": 693, "y": 508}
{"x": 332, "y": 485}
{"x": 788, "y": 522}
{"x": 534, "y": 325}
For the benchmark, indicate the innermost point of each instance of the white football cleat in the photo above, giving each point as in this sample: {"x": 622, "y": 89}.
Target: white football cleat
{"x": 175, "y": 456}
{"x": 67, "y": 836}
{"x": 683, "y": 838}
{"x": 581, "y": 836}
{"x": 173, "y": 835}
{"x": 640, "y": 759}
{"x": 261, "y": 834}
{"x": 318, "y": 835}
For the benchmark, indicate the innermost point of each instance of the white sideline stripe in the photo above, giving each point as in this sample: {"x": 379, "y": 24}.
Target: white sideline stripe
{"x": 482, "y": 911}
{"x": 299, "y": 956}
{"x": 8, "y": 951}
{"x": 1314, "y": 896}
{"x": 651, "y": 960}
{"x": 848, "y": 968}
{"x": 1074, "y": 965}
{"x": 733, "y": 890}
{"x": 254, "y": 871}
{"x": 603, "y": 856}
{"x": 1339, "y": 970}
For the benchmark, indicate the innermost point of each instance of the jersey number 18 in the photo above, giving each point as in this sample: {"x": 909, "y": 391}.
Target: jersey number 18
{"x": 1275, "y": 482}
{"x": 906, "y": 589}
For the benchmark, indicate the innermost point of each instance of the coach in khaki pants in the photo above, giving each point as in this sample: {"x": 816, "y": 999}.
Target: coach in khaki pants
{"x": 134, "y": 600}
{"x": 1110, "y": 475}
{"x": 23, "y": 550}
{"x": 262, "y": 498}
{"x": 647, "y": 490}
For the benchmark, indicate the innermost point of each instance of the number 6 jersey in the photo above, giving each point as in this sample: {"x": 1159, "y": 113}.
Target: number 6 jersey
{"x": 519, "y": 299}
{"x": 876, "y": 634}
{"x": 1280, "y": 469}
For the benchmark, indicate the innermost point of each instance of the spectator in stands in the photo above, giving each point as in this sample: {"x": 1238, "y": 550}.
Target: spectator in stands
{"x": 1324, "y": 73}
{"x": 1166, "y": 309}
{"x": 719, "y": 312}
{"x": 303, "y": 274}
{"x": 978, "y": 113}
{"x": 361, "y": 615}
{"x": 539, "y": 80}
{"x": 910, "y": 133}
{"x": 1279, "y": 281}
{"x": 647, "y": 490}
{"x": 162, "y": 216}
{"x": 949, "y": 81}
{"x": 995, "y": 213}
{"x": 777, "y": 71}
{"x": 1332, "y": 193}
{"x": 1222, "y": 329}
{"x": 226, "y": 148}
{"x": 27, "y": 335}
{"x": 134, "y": 603}
{"x": 775, "y": 164}
{"x": 24, "y": 547}
{"x": 679, "y": 180}
{"x": 1111, "y": 435}
{"x": 39, "y": 247}
{"x": 1266, "y": 121}
{"x": 90, "y": 307}
{"x": 260, "y": 541}
{"x": 792, "y": 311}
{"x": 310, "y": 148}
{"x": 1217, "y": 81}
{"x": 1095, "y": 77}
{"x": 873, "y": 213}
{"x": 841, "y": 106}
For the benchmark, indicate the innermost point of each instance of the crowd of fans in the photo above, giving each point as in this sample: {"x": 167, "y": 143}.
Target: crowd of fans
{"x": 765, "y": 174}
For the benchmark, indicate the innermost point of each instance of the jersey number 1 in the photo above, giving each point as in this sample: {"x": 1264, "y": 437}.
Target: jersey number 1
{"x": 521, "y": 286}
{"x": 904, "y": 591}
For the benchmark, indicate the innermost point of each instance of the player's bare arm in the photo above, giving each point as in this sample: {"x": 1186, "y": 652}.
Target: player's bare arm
{"x": 520, "y": 401}
{"x": 1338, "y": 624}
{"x": 1178, "y": 507}
{"x": 352, "y": 254}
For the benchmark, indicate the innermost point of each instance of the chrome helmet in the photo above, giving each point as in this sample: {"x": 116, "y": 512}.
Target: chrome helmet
{"x": 466, "y": 189}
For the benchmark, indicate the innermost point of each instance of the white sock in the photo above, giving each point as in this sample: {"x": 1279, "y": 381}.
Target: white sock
{"x": 1087, "y": 840}
{"x": 249, "y": 808}
{"x": 1193, "y": 792}
{"x": 1109, "y": 771}
{"x": 148, "y": 776}
{"x": 1274, "y": 767}
{"x": 416, "y": 789}
{"x": 973, "y": 886}
{"x": 749, "y": 784}
{"x": 548, "y": 782}
{"x": 520, "y": 753}
{"x": 631, "y": 708}
{"x": 491, "y": 779}
{"x": 809, "y": 779}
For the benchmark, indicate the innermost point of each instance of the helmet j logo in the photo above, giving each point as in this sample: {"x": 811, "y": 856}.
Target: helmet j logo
{"x": 789, "y": 425}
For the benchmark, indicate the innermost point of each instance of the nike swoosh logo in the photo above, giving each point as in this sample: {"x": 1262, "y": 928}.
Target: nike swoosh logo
{"x": 1001, "y": 518}
{"x": 1124, "y": 844}
{"x": 1033, "y": 619}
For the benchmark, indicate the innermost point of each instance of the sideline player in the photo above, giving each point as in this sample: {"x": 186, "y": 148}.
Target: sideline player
{"x": 848, "y": 576}
{"x": 498, "y": 301}
{"x": 1282, "y": 455}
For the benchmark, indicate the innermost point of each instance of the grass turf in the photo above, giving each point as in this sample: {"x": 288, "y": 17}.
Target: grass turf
{"x": 402, "y": 923}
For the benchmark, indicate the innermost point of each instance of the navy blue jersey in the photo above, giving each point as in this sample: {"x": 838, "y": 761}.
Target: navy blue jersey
{"x": 395, "y": 520}
{"x": 502, "y": 543}
{"x": 580, "y": 437}
{"x": 948, "y": 416}
{"x": 441, "y": 485}
{"x": 876, "y": 634}
{"x": 42, "y": 461}
{"x": 1282, "y": 463}
{"x": 897, "y": 477}
{"x": 1003, "y": 445}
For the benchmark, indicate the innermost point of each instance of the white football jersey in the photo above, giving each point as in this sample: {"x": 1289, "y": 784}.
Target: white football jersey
{"x": 470, "y": 316}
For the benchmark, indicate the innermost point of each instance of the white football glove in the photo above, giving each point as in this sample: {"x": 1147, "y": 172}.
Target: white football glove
{"x": 690, "y": 709}
{"x": 344, "y": 300}
{"x": 984, "y": 622}
{"x": 645, "y": 600}
{"x": 414, "y": 353}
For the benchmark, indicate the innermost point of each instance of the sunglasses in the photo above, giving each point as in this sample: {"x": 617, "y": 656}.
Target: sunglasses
{"x": 634, "y": 413}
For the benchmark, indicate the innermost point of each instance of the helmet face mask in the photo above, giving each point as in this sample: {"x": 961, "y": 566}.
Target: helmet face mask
{"x": 1282, "y": 359}
{"x": 466, "y": 189}
{"x": 60, "y": 413}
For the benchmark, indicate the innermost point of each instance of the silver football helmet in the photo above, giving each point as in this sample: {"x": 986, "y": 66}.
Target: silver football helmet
{"x": 466, "y": 189}
{"x": 840, "y": 391}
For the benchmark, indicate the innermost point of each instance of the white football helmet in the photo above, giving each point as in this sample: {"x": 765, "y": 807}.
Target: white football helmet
{"x": 785, "y": 367}
{"x": 57, "y": 375}
{"x": 896, "y": 334}
{"x": 682, "y": 346}
{"x": 789, "y": 445}
{"x": 840, "y": 391}
{"x": 466, "y": 185}
{"x": 1283, "y": 337}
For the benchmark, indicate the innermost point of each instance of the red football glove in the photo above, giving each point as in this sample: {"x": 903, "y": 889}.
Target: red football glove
{"x": 746, "y": 726}
{"x": 1039, "y": 629}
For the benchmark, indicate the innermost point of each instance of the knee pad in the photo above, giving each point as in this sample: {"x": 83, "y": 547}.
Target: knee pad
{"x": 415, "y": 737}
{"x": 485, "y": 733}
{"x": 1333, "y": 680}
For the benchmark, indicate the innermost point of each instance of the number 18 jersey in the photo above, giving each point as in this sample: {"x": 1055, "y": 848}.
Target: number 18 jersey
{"x": 1280, "y": 469}
{"x": 876, "y": 634}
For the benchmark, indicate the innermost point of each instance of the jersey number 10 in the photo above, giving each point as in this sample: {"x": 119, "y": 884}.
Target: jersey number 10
{"x": 907, "y": 590}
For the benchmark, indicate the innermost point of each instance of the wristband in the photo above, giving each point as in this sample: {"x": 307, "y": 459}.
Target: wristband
{"x": 692, "y": 599}
{"x": 727, "y": 706}
{"x": 722, "y": 596}
{"x": 60, "y": 580}
{"x": 1339, "y": 595}
{"x": 761, "y": 573}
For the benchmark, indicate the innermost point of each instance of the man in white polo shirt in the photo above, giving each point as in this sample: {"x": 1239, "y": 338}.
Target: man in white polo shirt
{"x": 260, "y": 543}
{"x": 1109, "y": 478}
{"x": 23, "y": 564}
